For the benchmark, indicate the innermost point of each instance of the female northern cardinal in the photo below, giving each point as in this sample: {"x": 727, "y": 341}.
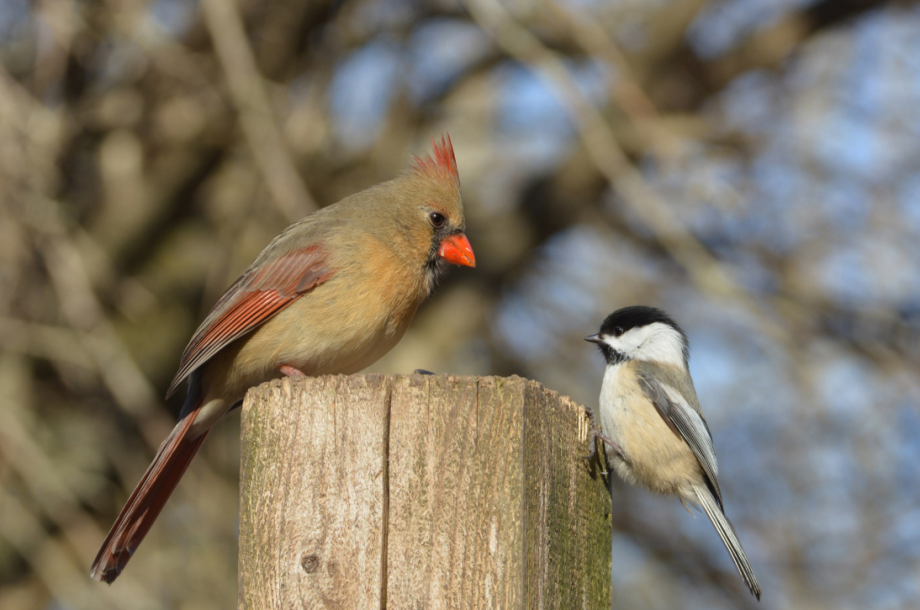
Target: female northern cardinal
{"x": 330, "y": 295}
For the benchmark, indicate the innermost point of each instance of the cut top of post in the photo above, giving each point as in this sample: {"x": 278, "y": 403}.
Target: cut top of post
{"x": 420, "y": 491}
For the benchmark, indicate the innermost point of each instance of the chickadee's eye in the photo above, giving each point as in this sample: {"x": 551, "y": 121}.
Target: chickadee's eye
{"x": 437, "y": 219}
{"x": 618, "y": 331}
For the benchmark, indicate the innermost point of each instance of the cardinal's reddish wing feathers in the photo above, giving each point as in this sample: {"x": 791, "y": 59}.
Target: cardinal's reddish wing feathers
{"x": 261, "y": 292}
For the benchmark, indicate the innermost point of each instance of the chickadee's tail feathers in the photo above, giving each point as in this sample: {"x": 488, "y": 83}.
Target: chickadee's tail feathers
{"x": 729, "y": 538}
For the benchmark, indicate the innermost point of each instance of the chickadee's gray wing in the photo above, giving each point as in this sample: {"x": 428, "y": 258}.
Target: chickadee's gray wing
{"x": 688, "y": 423}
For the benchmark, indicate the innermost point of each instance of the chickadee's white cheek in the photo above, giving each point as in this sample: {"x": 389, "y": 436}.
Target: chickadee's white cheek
{"x": 660, "y": 343}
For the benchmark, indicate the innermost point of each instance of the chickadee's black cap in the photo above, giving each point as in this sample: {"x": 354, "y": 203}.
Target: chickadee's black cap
{"x": 638, "y": 316}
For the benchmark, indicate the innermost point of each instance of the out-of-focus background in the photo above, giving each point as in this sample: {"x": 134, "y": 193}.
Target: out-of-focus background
{"x": 752, "y": 166}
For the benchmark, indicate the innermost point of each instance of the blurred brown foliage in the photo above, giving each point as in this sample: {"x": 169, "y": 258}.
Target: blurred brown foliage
{"x": 149, "y": 150}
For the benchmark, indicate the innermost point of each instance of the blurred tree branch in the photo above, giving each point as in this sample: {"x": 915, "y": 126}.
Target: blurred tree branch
{"x": 256, "y": 116}
{"x": 605, "y": 152}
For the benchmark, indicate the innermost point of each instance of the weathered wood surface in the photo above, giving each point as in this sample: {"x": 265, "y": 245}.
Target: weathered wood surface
{"x": 419, "y": 492}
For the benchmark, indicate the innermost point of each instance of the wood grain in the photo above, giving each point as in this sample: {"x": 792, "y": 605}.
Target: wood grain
{"x": 566, "y": 508}
{"x": 312, "y": 506}
{"x": 419, "y": 492}
{"x": 455, "y": 529}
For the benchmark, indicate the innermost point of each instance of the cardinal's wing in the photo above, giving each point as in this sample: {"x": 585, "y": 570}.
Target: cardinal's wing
{"x": 263, "y": 290}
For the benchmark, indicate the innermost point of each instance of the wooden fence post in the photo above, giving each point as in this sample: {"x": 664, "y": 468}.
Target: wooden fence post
{"x": 419, "y": 492}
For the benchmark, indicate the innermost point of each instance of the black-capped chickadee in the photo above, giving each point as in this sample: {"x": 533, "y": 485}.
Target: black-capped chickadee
{"x": 652, "y": 419}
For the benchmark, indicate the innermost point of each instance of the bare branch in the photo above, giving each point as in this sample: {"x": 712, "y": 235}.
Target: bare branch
{"x": 247, "y": 89}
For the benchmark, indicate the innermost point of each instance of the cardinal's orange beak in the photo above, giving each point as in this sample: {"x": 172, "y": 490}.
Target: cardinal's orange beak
{"x": 456, "y": 249}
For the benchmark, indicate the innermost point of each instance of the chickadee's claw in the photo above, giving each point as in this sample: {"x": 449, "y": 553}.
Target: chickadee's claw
{"x": 606, "y": 439}
{"x": 592, "y": 440}
{"x": 591, "y": 419}
{"x": 593, "y": 454}
{"x": 592, "y": 436}
{"x": 597, "y": 434}
{"x": 421, "y": 372}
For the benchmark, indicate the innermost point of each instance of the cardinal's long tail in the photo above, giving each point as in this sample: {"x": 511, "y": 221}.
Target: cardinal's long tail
{"x": 147, "y": 501}
{"x": 729, "y": 538}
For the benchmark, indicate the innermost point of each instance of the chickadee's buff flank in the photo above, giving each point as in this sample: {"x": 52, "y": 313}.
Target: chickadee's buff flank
{"x": 652, "y": 419}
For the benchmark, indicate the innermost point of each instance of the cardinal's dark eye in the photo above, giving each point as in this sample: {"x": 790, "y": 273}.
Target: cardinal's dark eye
{"x": 618, "y": 331}
{"x": 437, "y": 219}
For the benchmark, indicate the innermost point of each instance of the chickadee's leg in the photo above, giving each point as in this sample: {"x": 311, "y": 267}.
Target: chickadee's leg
{"x": 290, "y": 371}
{"x": 597, "y": 434}
{"x": 421, "y": 372}
{"x": 592, "y": 440}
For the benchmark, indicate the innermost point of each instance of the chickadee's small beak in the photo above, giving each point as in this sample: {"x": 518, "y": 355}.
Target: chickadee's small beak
{"x": 594, "y": 339}
{"x": 456, "y": 249}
